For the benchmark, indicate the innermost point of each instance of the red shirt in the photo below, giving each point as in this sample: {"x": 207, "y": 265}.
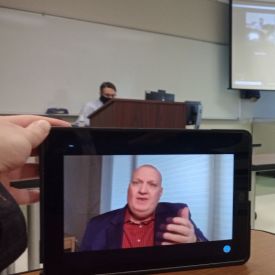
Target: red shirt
{"x": 137, "y": 234}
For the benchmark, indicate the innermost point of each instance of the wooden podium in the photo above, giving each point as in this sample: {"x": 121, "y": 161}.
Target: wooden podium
{"x": 126, "y": 113}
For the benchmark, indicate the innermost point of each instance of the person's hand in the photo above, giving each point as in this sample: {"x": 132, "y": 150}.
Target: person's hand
{"x": 179, "y": 229}
{"x": 19, "y": 136}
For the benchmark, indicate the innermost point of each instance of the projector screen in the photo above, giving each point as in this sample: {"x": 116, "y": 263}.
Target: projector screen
{"x": 253, "y": 45}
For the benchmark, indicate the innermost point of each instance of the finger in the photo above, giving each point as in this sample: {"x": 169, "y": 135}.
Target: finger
{"x": 34, "y": 152}
{"x": 184, "y": 213}
{"x": 25, "y": 196}
{"x": 29, "y": 170}
{"x": 178, "y": 229}
{"x": 175, "y": 238}
{"x": 180, "y": 221}
{"x": 25, "y": 120}
{"x": 167, "y": 243}
{"x": 37, "y": 131}
{"x": 22, "y": 196}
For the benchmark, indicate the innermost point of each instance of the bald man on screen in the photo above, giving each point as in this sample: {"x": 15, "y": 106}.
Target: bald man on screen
{"x": 144, "y": 221}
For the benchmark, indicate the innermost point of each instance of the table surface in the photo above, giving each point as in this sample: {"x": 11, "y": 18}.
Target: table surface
{"x": 262, "y": 159}
{"x": 263, "y": 162}
{"x": 261, "y": 262}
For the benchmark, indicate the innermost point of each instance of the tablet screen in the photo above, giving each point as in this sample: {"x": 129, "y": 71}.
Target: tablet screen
{"x": 144, "y": 200}
{"x": 146, "y": 185}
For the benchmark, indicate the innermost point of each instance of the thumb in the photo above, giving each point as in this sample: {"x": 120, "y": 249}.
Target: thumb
{"x": 37, "y": 131}
{"x": 184, "y": 213}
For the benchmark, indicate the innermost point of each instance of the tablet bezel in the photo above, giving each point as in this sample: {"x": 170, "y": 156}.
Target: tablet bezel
{"x": 91, "y": 141}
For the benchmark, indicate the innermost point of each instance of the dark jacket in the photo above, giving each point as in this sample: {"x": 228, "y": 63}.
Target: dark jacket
{"x": 13, "y": 234}
{"x": 106, "y": 231}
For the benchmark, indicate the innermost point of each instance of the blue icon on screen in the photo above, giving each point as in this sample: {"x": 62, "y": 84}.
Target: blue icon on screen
{"x": 226, "y": 248}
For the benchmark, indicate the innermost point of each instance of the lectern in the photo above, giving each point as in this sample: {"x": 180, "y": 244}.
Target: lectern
{"x": 126, "y": 113}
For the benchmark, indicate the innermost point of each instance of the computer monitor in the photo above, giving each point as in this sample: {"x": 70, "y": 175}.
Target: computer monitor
{"x": 160, "y": 95}
{"x": 193, "y": 113}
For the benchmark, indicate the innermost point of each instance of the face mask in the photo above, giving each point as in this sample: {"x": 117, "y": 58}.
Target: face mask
{"x": 104, "y": 99}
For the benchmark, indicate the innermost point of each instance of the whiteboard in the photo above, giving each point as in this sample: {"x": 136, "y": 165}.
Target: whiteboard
{"x": 49, "y": 61}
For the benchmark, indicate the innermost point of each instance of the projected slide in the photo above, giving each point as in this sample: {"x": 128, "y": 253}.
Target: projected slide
{"x": 253, "y": 45}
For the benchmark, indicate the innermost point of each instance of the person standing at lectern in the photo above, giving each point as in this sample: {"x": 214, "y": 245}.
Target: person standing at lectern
{"x": 107, "y": 91}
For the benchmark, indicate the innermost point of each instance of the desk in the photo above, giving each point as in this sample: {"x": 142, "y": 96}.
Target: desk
{"x": 261, "y": 261}
{"x": 263, "y": 162}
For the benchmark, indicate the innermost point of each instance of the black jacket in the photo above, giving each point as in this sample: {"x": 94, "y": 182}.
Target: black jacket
{"x": 13, "y": 233}
{"x": 106, "y": 231}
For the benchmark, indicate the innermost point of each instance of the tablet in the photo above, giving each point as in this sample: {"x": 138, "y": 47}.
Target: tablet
{"x": 144, "y": 200}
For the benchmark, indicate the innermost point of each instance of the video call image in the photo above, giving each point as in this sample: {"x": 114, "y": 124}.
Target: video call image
{"x": 132, "y": 201}
{"x": 261, "y": 27}
{"x": 253, "y": 45}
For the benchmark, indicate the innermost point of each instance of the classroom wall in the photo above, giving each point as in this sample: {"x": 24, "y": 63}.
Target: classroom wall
{"x": 264, "y": 134}
{"x": 205, "y": 20}
{"x": 56, "y": 62}
{"x": 182, "y": 18}
{"x": 174, "y": 17}
{"x": 202, "y": 20}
